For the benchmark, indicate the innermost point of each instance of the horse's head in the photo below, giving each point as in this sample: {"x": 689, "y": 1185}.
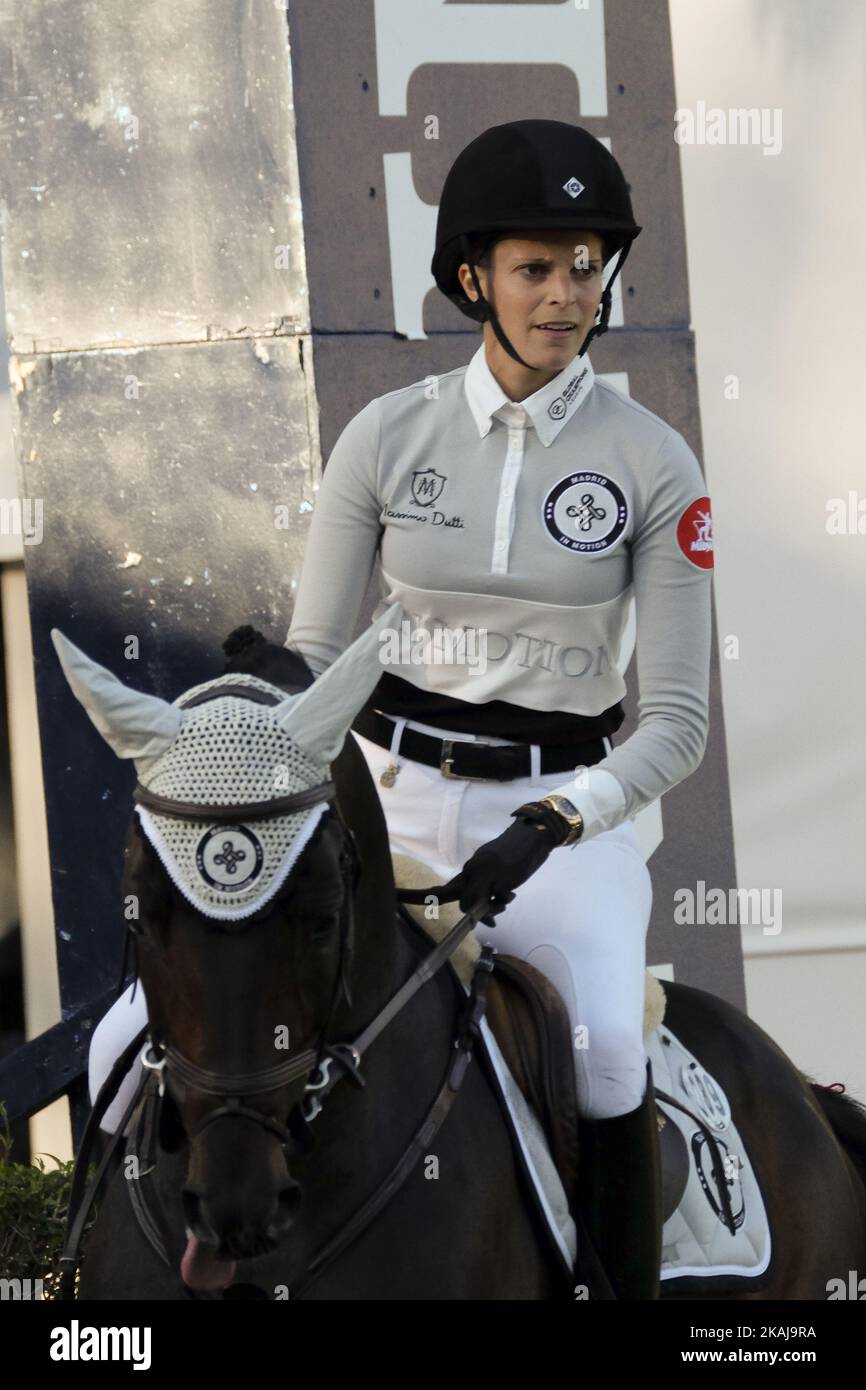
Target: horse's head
{"x": 239, "y": 888}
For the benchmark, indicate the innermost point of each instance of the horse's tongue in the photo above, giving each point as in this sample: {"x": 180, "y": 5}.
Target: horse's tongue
{"x": 200, "y": 1268}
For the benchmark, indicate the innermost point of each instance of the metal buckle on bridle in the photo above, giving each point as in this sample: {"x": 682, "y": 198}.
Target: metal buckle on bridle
{"x": 348, "y": 1058}
{"x": 158, "y": 1066}
{"x": 311, "y": 1106}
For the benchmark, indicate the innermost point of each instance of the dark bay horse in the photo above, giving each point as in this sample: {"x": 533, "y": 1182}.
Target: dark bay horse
{"x": 460, "y": 1227}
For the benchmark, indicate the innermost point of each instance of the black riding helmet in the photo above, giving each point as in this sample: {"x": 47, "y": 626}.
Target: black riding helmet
{"x": 530, "y": 175}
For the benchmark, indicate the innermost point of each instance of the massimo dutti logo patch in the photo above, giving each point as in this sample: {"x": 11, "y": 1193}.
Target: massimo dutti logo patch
{"x": 427, "y": 486}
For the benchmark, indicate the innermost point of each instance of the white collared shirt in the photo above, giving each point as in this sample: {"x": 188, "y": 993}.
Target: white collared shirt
{"x": 530, "y": 525}
{"x": 547, "y": 410}
{"x": 487, "y": 401}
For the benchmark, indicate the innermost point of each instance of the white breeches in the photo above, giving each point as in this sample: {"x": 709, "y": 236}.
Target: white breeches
{"x": 581, "y": 919}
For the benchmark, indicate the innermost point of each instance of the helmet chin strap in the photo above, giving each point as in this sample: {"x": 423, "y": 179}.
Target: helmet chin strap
{"x": 493, "y": 318}
{"x": 606, "y": 300}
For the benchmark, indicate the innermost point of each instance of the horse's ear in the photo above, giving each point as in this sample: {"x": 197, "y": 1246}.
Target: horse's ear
{"x": 171, "y": 1132}
{"x": 319, "y": 719}
{"x": 134, "y": 724}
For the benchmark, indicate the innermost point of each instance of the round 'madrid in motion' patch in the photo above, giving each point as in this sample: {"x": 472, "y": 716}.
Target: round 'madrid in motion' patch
{"x": 229, "y": 857}
{"x": 586, "y": 512}
{"x": 695, "y": 533}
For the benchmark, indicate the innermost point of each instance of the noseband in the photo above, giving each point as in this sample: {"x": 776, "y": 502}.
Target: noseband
{"x": 314, "y": 1063}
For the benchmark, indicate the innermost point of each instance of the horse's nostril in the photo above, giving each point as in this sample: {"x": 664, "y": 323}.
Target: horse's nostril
{"x": 191, "y": 1203}
{"x": 290, "y": 1196}
{"x": 238, "y": 1224}
{"x": 288, "y": 1201}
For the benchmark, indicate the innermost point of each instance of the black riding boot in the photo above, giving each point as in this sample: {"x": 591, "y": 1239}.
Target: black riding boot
{"x": 619, "y": 1191}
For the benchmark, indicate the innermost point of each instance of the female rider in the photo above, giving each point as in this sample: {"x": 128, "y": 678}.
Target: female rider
{"x": 522, "y": 502}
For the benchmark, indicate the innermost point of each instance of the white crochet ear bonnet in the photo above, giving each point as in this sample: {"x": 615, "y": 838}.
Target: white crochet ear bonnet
{"x": 233, "y": 749}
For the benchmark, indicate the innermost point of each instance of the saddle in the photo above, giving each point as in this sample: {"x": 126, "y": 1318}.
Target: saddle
{"x": 533, "y": 1030}
{"x": 531, "y": 1025}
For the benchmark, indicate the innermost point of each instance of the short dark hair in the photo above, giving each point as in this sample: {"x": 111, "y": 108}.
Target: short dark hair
{"x": 481, "y": 246}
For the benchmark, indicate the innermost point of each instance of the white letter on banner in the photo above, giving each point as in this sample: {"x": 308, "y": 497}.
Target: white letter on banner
{"x": 412, "y": 33}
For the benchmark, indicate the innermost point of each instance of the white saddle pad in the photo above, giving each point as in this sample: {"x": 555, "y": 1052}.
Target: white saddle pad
{"x": 533, "y": 1142}
{"x": 695, "y": 1240}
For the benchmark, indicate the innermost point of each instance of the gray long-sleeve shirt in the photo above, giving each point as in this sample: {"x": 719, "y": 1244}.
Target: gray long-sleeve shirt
{"x": 533, "y": 523}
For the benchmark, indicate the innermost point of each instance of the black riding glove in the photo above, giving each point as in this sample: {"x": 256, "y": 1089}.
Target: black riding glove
{"x": 501, "y": 865}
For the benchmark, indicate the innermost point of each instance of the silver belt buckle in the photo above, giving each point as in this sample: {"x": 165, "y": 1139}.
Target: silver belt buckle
{"x": 447, "y": 758}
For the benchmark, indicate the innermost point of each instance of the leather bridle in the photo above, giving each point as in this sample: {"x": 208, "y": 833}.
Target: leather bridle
{"x": 158, "y": 1058}
{"x": 314, "y": 1063}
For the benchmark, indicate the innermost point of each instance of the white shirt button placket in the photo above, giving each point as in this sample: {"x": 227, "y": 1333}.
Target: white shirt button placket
{"x": 504, "y": 527}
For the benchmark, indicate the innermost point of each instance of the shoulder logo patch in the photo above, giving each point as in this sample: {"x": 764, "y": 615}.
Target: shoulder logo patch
{"x": 586, "y": 512}
{"x": 695, "y": 533}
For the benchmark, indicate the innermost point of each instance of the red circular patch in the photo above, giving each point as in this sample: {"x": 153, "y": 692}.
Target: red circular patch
{"x": 695, "y": 533}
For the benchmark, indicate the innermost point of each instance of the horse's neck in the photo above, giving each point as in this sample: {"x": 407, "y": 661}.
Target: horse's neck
{"x": 403, "y": 1068}
{"x": 383, "y": 960}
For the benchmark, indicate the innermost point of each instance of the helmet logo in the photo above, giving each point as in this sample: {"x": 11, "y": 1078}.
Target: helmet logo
{"x": 574, "y": 187}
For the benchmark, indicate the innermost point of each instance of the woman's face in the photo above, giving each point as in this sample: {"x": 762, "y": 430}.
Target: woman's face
{"x": 545, "y": 277}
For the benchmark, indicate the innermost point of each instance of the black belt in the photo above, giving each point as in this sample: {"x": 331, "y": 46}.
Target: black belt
{"x": 484, "y": 761}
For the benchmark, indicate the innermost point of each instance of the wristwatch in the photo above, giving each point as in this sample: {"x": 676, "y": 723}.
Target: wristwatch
{"x": 569, "y": 813}
{"x": 551, "y": 811}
